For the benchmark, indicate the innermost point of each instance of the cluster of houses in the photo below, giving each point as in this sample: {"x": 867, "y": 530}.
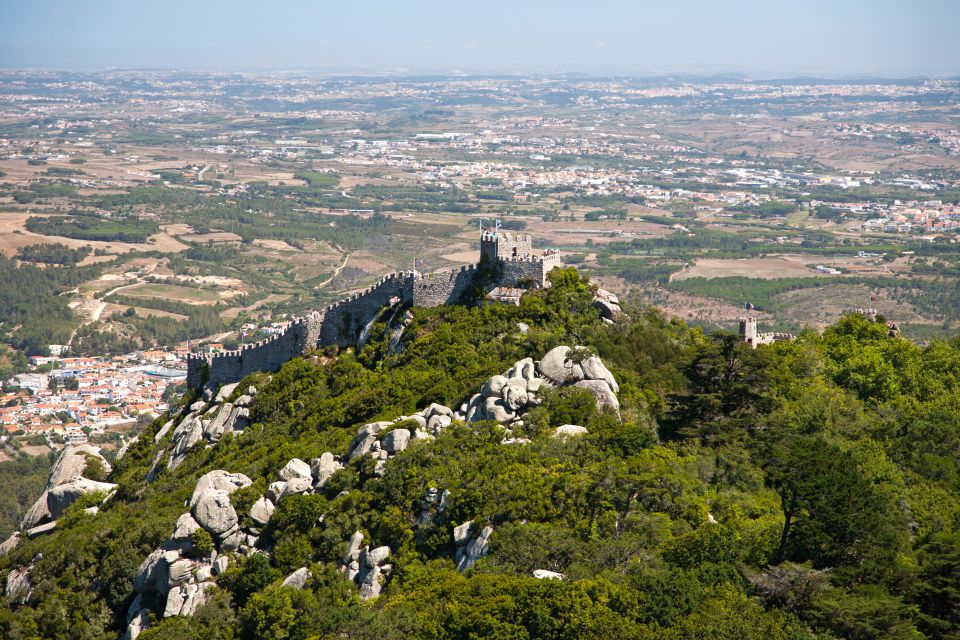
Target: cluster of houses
{"x": 73, "y": 398}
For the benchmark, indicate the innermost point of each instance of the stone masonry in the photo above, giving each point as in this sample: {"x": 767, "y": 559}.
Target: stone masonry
{"x": 750, "y": 335}
{"x": 343, "y": 322}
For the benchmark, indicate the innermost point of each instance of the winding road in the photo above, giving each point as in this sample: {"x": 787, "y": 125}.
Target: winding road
{"x": 336, "y": 271}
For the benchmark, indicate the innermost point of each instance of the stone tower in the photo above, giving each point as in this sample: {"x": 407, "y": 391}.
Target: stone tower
{"x": 505, "y": 246}
{"x": 748, "y": 329}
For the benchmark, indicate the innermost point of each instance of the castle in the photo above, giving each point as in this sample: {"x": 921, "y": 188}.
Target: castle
{"x": 507, "y": 260}
{"x": 748, "y": 331}
{"x": 748, "y": 328}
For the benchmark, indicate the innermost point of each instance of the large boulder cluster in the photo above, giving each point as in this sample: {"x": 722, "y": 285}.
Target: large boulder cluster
{"x": 608, "y": 305}
{"x": 64, "y": 487}
{"x": 364, "y": 566}
{"x": 470, "y": 548}
{"x": 208, "y": 421}
{"x": 178, "y": 570}
{"x": 505, "y": 398}
{"x": 367, "y": 568}
{"x": 295, "y": 477}
{"x": 383, "y": 440}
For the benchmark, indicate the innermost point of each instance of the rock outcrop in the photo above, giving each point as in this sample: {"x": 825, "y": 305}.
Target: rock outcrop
{"x": 433, "y": 505}
{"x": 383, "y": 440}
{"x": 19, "y": 587}
{"x": 469, "y": 550}
{"x": 10, "y": 543}
{"x": 206, "y": 421}
{"x": 177, "y": 571}
{"x": 568, "y": 430}
{"x": 366, "y": 567}
{"x": 64, "y": 495}
{"x": 505, "y": 398}
{"x": 182, "y": 575}
{"x": 543, "y": 574}
{"x": 66, "y": 484}
{"x": 298, "y": 579}
{"x": 607, "y": 304}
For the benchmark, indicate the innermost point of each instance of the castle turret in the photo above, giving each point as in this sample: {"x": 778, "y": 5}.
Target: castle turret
{"x": 488, "y": 246}
{"x": 748, "y": 329}
{"x": 504, "y": 245}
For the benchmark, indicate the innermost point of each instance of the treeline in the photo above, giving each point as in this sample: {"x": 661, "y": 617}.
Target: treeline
{"x": 422, "y": 198}
{"x": 44, "y": 189}
{"x": 318, "y": 180}
{"x": 705, "y": 242}
{"x": 130, "y": 331}
{"x": 757, "y": 291}
{"x": 637, "y": 271}
{"x": 275, "y": 218}
{"x": 768, "y": 209}
{"x": 54, "y": 253}
{"x": 938, "y": 298}
{"x": 155, "y": 194}
{"x": 85, "y": 226}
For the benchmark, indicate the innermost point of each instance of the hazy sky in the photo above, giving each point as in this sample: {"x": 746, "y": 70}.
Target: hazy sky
{"x": 762, "y": 37}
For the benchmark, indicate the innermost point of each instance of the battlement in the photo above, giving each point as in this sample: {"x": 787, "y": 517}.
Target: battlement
{"x": 345, "y": 321}
{"x": 503, "y": 245}
{"x": 523, "y": 259}
{"x": 430, "y": 275}
{"x": 750, "y": 335}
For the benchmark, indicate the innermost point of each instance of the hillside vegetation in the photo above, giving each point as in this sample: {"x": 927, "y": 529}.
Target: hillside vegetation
{"x": 807, "y": 489}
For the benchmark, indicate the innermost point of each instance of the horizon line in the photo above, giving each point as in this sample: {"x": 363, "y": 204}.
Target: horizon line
{"x": 679, "y": 74}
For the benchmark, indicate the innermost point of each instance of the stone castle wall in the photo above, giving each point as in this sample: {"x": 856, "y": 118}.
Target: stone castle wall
{"x": 505, "y": 245}
{"x": 750, "y": 335}
{"x": 533, "y": 269}
{"x": 267, "y": 355}
{"x": 343, "y": 322}
{"x": 442, "y": 287}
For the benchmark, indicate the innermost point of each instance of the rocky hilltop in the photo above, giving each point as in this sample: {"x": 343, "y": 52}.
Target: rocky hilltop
{"x": 556, "y": 469}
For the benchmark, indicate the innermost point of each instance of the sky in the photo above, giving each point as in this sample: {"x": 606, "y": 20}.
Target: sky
{"x": 769, "y": 38}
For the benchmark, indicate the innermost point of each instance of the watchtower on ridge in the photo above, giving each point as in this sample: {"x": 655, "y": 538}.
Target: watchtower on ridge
{"x": 503, "y": 245}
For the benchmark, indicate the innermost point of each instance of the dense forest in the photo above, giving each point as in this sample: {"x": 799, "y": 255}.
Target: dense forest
{"x": 32, "y": 313}
{"x": 85, "y": 226}
{"x": 23, "y": 479}
{"x": 53, "y": 253}
{"x": 802, "y": 490}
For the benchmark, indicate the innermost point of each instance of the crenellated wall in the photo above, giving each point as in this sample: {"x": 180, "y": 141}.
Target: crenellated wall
{"x": 267, "y": 355}
{"x": 515, "y": 271}
{"x": 442, "y": 287}
{"x": 342, "y": 322}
